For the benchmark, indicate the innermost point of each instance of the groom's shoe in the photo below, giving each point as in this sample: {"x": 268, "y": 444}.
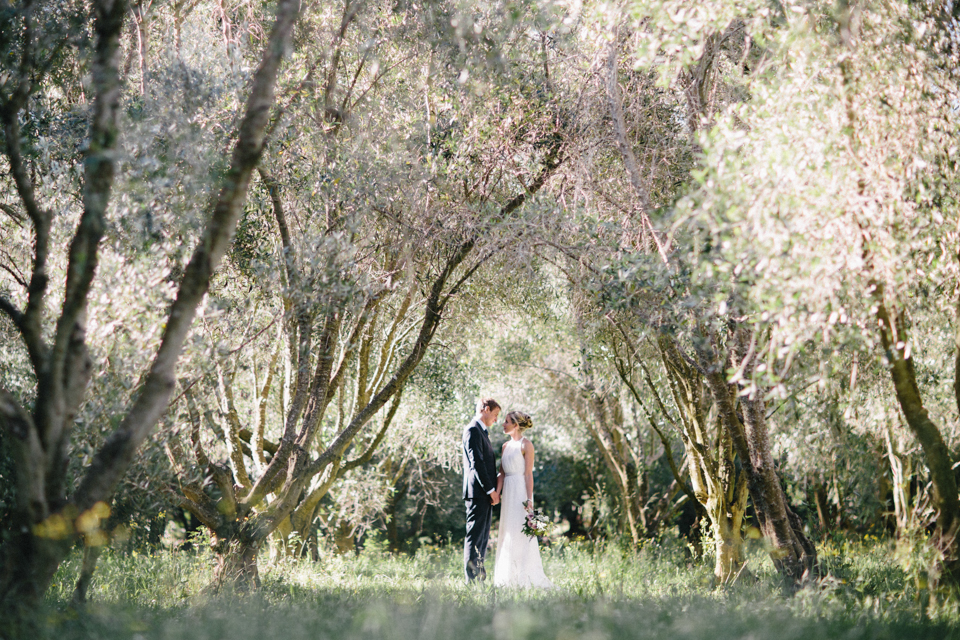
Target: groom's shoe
{"x": 475, "y": 571}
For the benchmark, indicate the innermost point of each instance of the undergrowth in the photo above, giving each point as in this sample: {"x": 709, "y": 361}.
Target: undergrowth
{"x": 868, "y": 591}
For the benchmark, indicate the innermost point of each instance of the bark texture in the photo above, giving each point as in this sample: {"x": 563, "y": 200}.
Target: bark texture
{"x": 718, "y": 485}
{"x": 895, "y": 340}
{"x": 744, "y": 418}
{"x": 48, "y": 521}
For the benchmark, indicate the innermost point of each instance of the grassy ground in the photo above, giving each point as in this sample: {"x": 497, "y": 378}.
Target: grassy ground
{"x": 602, "y": 593}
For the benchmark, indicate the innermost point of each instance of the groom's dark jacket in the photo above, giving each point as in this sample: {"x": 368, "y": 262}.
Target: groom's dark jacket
{"x": 479, "y": 462}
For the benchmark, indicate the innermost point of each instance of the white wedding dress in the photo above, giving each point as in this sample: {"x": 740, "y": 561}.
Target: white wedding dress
{"x": 518, "y": 555}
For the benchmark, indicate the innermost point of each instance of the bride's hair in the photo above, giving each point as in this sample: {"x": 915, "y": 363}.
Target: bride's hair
{"x": 522, "y": 420}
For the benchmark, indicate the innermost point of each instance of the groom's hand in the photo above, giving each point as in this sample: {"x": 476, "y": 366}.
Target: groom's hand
{"x": 494, "y": 497}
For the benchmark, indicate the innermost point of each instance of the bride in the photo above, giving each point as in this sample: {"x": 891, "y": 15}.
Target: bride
{"x": 518, "y": 555}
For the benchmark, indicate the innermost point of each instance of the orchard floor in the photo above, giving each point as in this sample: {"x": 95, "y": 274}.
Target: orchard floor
{"x": 603, "y": 592}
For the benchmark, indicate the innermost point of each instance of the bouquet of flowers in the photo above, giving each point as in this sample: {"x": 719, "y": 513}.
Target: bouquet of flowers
{"x": 535, "y": 524}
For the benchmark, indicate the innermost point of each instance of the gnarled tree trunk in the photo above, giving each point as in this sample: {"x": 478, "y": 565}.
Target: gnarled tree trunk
{"x": 895, "y": 341}
{"x": 794, "y": 556}
{"x": 47, "y": 521}
{"x": 236, "y": 565}
{"x": 711, "y": 458}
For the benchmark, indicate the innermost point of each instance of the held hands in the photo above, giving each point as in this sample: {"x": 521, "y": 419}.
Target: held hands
{"x": 494, "y": 498}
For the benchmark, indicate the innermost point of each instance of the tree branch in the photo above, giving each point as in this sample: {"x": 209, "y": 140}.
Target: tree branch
{"x": 30, "y": 328}
{"x": 626, "y": 152}
{"x": 893, "y": 337}
{"x": 13, "y": 213}
{"x": 11, "y": 310}
{"x": 349, "y": 13}
{"x": 258, "y": 442}
{"x": 956, "y": 334}
{"x": 233, "y": 428}
{"x": 205, "y": 510}
{"x": 368, "y": 454}
{"x": 15, "y": 273}
{"x": 299, "y": 327}
{"x": 117, "y": 452}
{"x": 29, "y": 455}
{"x": 667, "y": 448}
{"x": 220, "y": 474}
{"x": 68, "y": 368}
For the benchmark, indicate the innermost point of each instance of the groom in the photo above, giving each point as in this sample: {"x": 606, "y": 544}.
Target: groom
{"x": 479, "y": 486}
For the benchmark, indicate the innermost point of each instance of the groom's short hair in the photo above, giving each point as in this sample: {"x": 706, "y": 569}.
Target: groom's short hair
{"x": 489, "y": 403}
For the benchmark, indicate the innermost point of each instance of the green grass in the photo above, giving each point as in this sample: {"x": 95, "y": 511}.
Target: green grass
{"x": 603, "y": 593}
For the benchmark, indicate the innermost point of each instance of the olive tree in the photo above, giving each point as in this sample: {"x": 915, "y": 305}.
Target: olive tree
{"x": 823, "y": 201}
{"x": 643, "y": 259}
{"x": 47, "y": 520}
{"x": 383, "y": 205}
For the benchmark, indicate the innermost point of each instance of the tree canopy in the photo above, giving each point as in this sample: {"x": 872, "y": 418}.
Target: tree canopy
{"x": 259, "y": 260}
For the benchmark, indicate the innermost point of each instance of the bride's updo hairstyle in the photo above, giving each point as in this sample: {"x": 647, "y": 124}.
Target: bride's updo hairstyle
{"x": 522, "y": 420}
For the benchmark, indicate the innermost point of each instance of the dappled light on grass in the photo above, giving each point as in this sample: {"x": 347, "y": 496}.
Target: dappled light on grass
{"x": 602, "y": 593}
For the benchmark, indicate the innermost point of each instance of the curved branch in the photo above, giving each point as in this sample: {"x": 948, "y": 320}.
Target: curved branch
{"x": 667, "y": 448}
{"x": 12, "y": 312}
{"x": 13, "y": 213}
{"x": 368, "y": 454}
{"x": 117, "y": 452}
{"x": 68, "y": 368}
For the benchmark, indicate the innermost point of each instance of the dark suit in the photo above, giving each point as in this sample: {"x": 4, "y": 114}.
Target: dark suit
{"x": 479, "y": 478}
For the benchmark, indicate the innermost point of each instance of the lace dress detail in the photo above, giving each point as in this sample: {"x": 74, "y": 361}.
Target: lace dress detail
{"x": 518, "y": 556}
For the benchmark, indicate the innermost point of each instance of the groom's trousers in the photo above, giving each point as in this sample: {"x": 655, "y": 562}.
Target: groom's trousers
{"x": 479, "y": 514}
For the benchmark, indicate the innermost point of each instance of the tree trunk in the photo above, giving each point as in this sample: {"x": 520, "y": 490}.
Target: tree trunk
{"x": 390, "y": 515}
{"x": 280, "y": 540}
{"x": 728, "y": 545}
{"x": 902, "y": 477}
{"x": 29, "y": 563}
{"x": 726, "y": 506}
{"x": 717, "y": 485}
{"x": 46, "y": 521}
{"x": 819, "y": 495}
{"x": 946, "y": 502}
{"x": 599, "y": 410}
{"x": 236, "y": 566}
{"x": 91, "y": 553}
{"x": 343, "y": 537}
{"x": 603, "y": 433}
{"x": 794, "y": 556}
